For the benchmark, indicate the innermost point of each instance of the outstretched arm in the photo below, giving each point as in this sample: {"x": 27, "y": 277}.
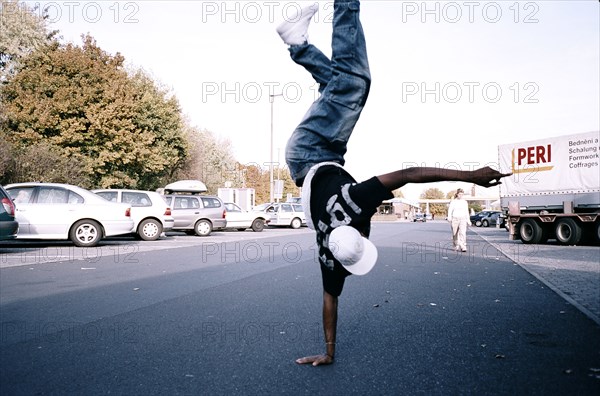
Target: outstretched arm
{"x": 486, "y": 177}
{"x": 330, "y": 304}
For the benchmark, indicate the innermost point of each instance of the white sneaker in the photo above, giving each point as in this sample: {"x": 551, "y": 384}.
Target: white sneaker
{"x": 294, "y": 31}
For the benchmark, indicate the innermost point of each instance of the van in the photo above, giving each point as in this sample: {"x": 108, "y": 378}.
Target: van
{"x": 196, "y": 214}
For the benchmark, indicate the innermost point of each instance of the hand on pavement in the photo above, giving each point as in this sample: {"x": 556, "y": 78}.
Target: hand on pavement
{"x": 316, "y": 360}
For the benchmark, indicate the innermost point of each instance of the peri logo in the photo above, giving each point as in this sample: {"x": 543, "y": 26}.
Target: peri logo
{"x": 532, "y": 159}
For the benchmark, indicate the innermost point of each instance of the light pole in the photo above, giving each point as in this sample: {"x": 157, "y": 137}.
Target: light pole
{"x": 271, "y": 195}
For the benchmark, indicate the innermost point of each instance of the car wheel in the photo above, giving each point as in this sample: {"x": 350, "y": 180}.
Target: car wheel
{"x": 485, "y": 223}
{"x": 568, "y": 232}
{"x": 203, "y": 228}
{"x": 149, "y": 230}
{"x": 258, "y": 225}
{"x": 296, "y": 223}
{"x": 478, "y": 223}
{"x": 85, "y": 233}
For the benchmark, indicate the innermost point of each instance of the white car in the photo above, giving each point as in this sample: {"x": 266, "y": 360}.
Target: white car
{"x": 240, "y": 219}
{"x": 150, "y": 213}
{"x": 283, "y": 214}
{"x": 67, "y": 212}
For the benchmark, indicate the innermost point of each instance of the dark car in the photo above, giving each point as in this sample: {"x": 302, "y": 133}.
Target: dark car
{"x": 491, "y": 219}
{"x": 477, "y": 218}
{"x": 8, "y": 225}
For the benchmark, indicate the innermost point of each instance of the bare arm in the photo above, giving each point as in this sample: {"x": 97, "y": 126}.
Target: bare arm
{"x": 330, "y": 307}
{"x": 486, "y": 177}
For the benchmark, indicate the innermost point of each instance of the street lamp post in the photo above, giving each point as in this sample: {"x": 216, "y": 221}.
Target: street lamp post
{"x": 271, "y": 181}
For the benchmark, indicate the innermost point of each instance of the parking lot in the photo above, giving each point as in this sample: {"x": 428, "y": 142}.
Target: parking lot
{"x": 571, "y": 271}
{"x": 122, "y": 249}
{"x": 138, "y": 317}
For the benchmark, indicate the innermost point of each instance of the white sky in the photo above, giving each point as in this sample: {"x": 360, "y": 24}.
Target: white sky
{"x": 505, "y": 72}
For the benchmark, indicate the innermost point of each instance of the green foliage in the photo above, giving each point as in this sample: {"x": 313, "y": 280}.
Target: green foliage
{"x": 119, "y": 130}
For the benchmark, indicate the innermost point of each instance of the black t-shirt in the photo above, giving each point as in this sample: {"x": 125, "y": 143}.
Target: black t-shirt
{"x": 335, "y": 200}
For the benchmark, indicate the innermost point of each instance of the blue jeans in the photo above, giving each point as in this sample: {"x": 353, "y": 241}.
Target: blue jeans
{"x": 344, "y": 83}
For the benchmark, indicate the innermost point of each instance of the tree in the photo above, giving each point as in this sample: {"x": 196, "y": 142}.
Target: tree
{"x": 398, "y": 193}
{"x": 42, "y": 162}
{"x": 22, "y": 31}
{"x": 435, "y": 208}
{"x": 119, "y": 130}
{"x": 210, "y": 160}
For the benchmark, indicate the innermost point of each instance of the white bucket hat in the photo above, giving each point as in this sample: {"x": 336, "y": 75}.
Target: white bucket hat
{"x": 356, "y": 253}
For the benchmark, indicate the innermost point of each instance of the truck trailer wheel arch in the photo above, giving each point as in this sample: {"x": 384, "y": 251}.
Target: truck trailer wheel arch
{"x": 568, "y": 232}
{"x": 531, "y": 232}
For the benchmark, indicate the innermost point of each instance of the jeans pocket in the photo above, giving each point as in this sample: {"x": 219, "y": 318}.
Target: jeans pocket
{"x": 348, "y": 91}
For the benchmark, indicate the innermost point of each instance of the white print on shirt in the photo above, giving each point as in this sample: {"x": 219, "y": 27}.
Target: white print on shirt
{"x": 349, "y": 201}
{"x": 333, "y": 208}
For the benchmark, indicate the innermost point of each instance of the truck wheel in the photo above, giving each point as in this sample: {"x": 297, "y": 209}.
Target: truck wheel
{"x": 203, "y": 228}
{"x": 258, "y": 225}
{"x": 531, "y": 232}
{"x": 568, "y": 232}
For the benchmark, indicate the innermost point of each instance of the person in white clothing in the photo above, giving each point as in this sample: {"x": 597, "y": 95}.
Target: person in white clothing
{"x": 458, "y": 216}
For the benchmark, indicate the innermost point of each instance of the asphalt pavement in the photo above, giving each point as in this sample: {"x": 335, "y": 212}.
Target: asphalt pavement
{"x": 221, "y": 316}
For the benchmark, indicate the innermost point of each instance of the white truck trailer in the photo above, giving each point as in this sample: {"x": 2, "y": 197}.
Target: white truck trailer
{"x": 554, "y": 191}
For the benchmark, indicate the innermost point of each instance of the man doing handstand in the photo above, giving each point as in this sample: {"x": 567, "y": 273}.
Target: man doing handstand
{"x": 337, "y": 207}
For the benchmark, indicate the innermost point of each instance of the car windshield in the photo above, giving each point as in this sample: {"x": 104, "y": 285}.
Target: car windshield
{"x": 261, "y": 207}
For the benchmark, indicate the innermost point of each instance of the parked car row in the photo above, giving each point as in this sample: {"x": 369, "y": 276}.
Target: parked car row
{"x": 67, "y": 212}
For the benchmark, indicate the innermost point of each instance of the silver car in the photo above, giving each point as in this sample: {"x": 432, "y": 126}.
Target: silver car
{"x": 196, "y": 214}
{"x": 150, "y": 213}
{"x": 63, "y": 211}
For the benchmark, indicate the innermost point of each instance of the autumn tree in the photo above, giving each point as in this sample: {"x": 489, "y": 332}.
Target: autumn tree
{"x": 436, "y": 209}
{"x": 23, "y": 30}
{"x": 210, "y": 160}
{"x": 119, "y": 130}
{"x": 398, "y": 193}
{"x": 258, "y": 178}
